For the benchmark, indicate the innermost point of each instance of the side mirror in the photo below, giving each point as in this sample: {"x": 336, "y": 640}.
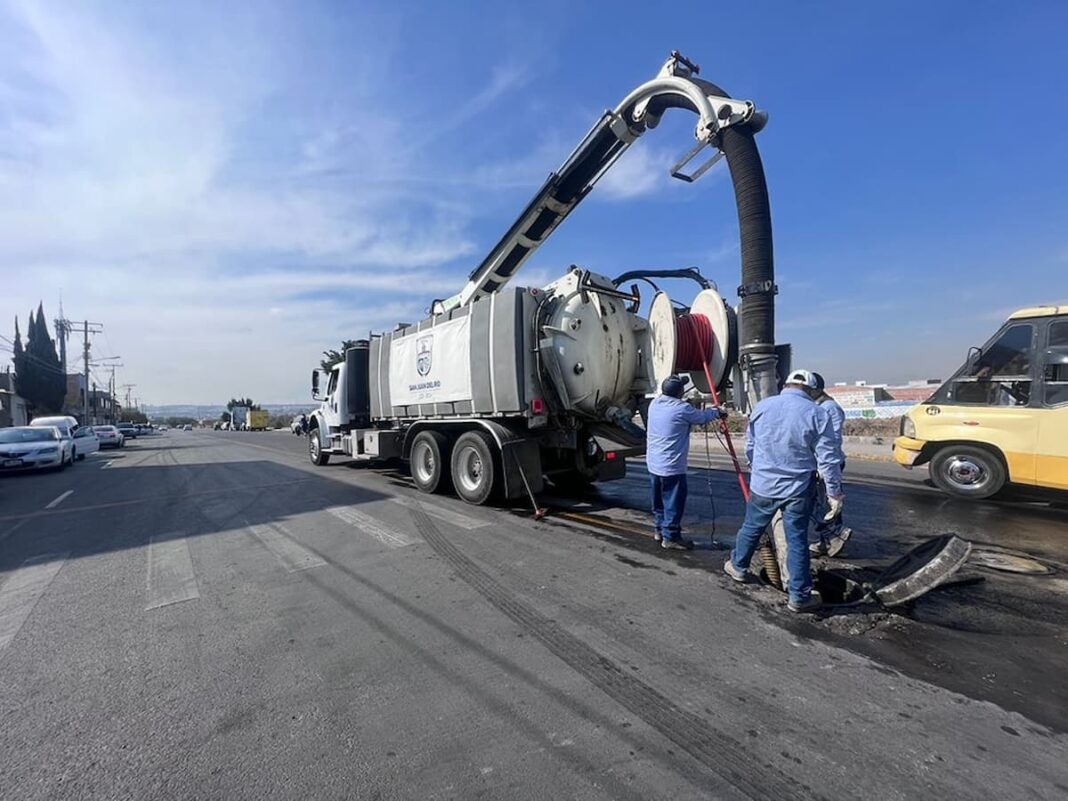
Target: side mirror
{"x": 974, "y": 354}
{"x": 315, "y": 385}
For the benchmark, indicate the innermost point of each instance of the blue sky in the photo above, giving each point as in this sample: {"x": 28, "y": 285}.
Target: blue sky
{"x": 231, "y": 190}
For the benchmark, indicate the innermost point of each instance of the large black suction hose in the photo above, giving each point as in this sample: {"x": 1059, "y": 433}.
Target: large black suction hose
{"x": 757, "y": 312}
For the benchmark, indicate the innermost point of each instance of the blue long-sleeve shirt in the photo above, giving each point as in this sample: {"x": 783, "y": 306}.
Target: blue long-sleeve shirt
{"x": 789, "y": 438}
{"x": 667, "y": 443}
{"x": 837, "y": 414}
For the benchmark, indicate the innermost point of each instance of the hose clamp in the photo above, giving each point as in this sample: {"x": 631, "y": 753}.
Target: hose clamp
{"x": 766, "y": 287}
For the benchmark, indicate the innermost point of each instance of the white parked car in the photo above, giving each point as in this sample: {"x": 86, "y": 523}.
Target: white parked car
{"x": 85, "y": 442}
{"x": 109, "y": 436}
{"x": 33, "y": 448}
{"x": 62, "y": 420}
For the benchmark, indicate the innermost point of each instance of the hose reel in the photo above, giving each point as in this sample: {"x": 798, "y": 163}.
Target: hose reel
{"x": 679, "y": 337}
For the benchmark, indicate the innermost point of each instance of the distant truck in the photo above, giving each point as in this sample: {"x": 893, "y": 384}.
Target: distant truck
{"x": 242, "y": 418}
{"x": 257, "y": 420}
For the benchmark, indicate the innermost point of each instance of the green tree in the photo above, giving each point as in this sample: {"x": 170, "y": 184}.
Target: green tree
{"x": 134, "y": 416}
{"x": 332, "y": 357}
{"x": 241, "y": 402}
{"x": 39, "y": 378}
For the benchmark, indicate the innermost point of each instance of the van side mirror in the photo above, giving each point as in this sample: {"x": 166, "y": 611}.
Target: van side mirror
{"x": 973, "y": 357}
{"x": 315, "y": 385}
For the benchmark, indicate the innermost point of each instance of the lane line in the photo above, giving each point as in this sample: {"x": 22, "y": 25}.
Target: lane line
{"x": 59, "y": 500}
{"x": 170, "y": 571}
{"x": 448, "y": 515}
{"x": 290, "y": 553}
{"x": 22, "y": 590}
{"x": 370, "y": 525}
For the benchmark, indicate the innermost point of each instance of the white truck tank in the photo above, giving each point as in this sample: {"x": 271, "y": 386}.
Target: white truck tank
{"x": 591, "y": 344}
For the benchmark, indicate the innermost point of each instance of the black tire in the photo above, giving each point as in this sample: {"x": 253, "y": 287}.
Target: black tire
{"x": 429, "y": 461}
{"x": 315, "y": 449}
{"x": 474, "y": 467}
{"x": 965, "y": 471}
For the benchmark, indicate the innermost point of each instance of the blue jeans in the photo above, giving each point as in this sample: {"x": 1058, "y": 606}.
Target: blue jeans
{"x": 669, "y": 503}
{"x": 795, "y": 517}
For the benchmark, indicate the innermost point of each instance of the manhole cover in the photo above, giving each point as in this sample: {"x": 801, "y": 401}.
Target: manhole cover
{"x": 1009, "y": 563}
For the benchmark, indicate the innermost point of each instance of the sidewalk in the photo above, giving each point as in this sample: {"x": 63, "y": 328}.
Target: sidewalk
{"x": 874, "y": 449}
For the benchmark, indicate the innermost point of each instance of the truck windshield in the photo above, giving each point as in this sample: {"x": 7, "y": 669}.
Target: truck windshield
{"x": 999, "y": 376}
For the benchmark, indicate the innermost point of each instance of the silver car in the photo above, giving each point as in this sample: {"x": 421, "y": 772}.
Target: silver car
{"x": 33, "y": 448}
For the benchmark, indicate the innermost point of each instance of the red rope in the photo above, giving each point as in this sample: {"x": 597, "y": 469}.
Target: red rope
{"x": 694, "y": 343}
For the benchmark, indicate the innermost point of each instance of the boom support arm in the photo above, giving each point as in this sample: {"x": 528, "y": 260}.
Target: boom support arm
{"x": 613, "y": 133}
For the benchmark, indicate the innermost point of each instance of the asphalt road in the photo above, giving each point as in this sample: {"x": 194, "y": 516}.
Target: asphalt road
{"x": 207, "y": 615}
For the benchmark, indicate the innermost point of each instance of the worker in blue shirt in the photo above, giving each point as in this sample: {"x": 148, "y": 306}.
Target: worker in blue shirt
{"x": 833, "y": 534}
{"x": 666, "y": 451}
{"x": 789, "y": 439}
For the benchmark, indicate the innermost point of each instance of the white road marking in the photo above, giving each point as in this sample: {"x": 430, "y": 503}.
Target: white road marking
{"x": 20, "y": 593}
{"x": 369, "y": 525}
{"x": 290, "y": 553}
{"x": 452, "y": 518}
{"x": 59, "y": 500}
{"x": 108, "y": 463}
{"x": 170, "y": 571}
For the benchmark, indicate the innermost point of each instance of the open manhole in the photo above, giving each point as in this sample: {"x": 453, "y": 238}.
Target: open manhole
{"x": 1009, "y": 563}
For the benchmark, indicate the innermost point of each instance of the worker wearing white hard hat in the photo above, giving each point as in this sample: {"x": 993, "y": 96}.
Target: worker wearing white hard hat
{"x": 789, "y": 438}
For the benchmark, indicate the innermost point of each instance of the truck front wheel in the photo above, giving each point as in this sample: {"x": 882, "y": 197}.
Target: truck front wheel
{"x": 474, "y": 468}
{"x": 967, "y": 472}
{"x": 315, "y": 449}
{"x": 429, "y": 461}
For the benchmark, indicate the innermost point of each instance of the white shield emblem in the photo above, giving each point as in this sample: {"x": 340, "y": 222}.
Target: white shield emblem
{"x": 424, "y": 355}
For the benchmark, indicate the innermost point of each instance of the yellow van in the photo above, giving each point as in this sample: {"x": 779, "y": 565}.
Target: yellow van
{"x": 1002, "y": 417}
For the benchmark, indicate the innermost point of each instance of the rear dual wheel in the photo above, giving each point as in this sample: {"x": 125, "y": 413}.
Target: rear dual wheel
{"x": 429, "y": 461}
{"x": 469, "y": 465}
{"x": 474, "y": 466}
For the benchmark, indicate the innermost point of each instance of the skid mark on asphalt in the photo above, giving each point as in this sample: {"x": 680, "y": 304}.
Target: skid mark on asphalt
{"x": 170, "y": 571}
{"x": 290, "y": 553}
{"x": 716, "y": 750}
{"x": 372, "y": 526}
{"x": 452, "y": 518}
{"x": 23, "y": 588}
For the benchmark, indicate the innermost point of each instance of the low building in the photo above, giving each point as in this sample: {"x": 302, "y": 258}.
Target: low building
{"x": 13, "y": 408}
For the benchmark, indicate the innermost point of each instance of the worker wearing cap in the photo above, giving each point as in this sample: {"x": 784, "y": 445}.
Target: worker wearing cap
{"x": 833, "y": 533}
{"x": 666, "y": 452}
{"x": 789, "y": 439}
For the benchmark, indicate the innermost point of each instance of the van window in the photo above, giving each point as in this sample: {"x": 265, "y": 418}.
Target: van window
{"x": 999, "y": 376}
{"x": 1056, "y": 375}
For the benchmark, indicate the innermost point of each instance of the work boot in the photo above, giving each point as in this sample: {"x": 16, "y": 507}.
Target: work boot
{"x": 657, "y": 537}
{"x": 741, "y": 576}
{"x": 818, "y": 548}
{"x": 810, "y": 604}
{"x": 677, "y": 545}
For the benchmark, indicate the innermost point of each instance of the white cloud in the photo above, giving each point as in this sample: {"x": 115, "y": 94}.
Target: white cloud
{"x": 223, "y": 252}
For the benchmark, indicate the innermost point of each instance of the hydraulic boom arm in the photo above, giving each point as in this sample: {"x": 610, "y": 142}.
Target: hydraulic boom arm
{"x": 675, "y": 85}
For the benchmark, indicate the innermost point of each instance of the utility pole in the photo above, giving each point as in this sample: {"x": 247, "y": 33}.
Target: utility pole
{"x": 128, "y": 387}
{"x": 87, "y": 329}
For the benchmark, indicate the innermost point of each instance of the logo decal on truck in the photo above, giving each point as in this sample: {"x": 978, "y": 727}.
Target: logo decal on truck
{"x": 424, "y": 354}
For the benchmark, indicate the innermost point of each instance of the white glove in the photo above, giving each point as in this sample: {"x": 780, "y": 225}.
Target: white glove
{"x": 834, "y": 507}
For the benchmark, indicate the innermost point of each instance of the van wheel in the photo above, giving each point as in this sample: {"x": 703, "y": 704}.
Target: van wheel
{"x": 474, "y": 467}
{"x": 429, "y": 461}
{"x": 967, "y": 472}
{"x": 315, "y": 449}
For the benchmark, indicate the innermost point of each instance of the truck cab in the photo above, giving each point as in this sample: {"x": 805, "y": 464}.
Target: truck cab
{"x": 1002, "y": 417}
